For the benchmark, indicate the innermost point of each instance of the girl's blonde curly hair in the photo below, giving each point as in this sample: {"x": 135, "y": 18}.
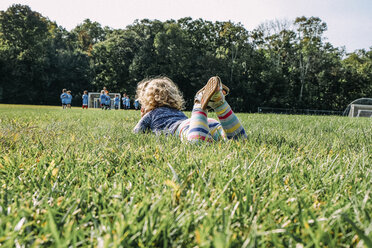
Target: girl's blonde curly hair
{"x": 159, "y": 92}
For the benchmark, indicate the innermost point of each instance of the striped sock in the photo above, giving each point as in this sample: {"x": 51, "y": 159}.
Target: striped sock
{"x": 199, "y": 129}
{"x": 216, "y": 131}
{"x": 230, "y": 122}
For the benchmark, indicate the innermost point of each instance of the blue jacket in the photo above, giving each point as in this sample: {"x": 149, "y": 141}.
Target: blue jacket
{"x": 102, "y": 98}
{"x": 68, "y": 99}
{"x": 161, "y": 119}
{"x": 63, "y": 98}
{"x": 85, "y": 99}
{"x": 117, "y": 101}
{"x": 108, "y": 100}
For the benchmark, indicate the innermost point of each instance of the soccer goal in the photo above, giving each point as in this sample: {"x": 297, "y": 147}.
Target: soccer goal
{"x": 358, "y": 110}
{"x": 95, "y": 102}
{"x": 361, "y": 107}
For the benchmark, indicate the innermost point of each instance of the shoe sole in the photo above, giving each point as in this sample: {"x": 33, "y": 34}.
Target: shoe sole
{"x": 209, "y": 89}
{"x": 224, "y": 88}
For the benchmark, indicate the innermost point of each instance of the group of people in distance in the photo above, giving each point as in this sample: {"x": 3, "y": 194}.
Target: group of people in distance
{"x": 104, "y": 99}
{"x": 126, "y": 101}
{"x": 66, "y": 98}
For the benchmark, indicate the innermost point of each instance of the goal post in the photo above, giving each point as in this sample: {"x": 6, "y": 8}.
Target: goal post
{"x": 94, "y": 100}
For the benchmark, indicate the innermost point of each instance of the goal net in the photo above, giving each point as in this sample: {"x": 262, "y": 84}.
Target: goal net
{"x": 94, "y": 99}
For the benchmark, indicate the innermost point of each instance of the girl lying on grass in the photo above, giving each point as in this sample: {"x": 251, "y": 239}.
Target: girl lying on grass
{"x": 161, "y": 104}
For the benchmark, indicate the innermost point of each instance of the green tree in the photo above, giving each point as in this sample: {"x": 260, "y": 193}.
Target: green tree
{"x": 112, "y": 59}
{"x": 87, "y": 34}
{"x": 309, "y": 32}
{"x": 37, "y": 61}
{"x": 274, "y": 41}
{"x": 357, "y": 75}
{"x": 24, "y": 37}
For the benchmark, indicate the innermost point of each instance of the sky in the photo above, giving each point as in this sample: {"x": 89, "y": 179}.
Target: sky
{"x": 349, "y": 21}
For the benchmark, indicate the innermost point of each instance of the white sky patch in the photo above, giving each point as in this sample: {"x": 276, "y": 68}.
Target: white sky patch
{"x": 349, "y": 22}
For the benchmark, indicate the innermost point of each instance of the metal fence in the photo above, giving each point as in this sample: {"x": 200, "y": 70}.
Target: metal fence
{"x": 292, "y": 111}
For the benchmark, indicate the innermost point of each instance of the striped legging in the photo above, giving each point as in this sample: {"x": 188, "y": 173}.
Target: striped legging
{"x": 201, "y": 128}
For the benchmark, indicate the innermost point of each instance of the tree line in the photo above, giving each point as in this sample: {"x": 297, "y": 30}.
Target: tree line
{"x": 279, "y": 64}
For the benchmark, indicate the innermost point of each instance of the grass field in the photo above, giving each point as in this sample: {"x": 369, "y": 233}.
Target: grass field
{"x": 81, "y": 178}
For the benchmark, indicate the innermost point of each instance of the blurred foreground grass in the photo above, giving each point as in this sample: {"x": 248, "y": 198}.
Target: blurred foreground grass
{"x": 81, "y": 178}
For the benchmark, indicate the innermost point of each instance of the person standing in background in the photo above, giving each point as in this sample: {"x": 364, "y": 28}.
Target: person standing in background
{"x": 136, "y": 104}
{"x": 85, "y": 99}
{"x": 102, "y": 99}
{"x": 127, "y": 102}
{"x": 124, "y": 100}
{"x": 108, "y": 101}
{"x": 69, "y": 99}
{"x": 63, "y": 98}
{"x": 116, "y": 102}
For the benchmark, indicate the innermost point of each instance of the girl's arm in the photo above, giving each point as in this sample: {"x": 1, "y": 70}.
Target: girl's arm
{"x": 144, "y": 124}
